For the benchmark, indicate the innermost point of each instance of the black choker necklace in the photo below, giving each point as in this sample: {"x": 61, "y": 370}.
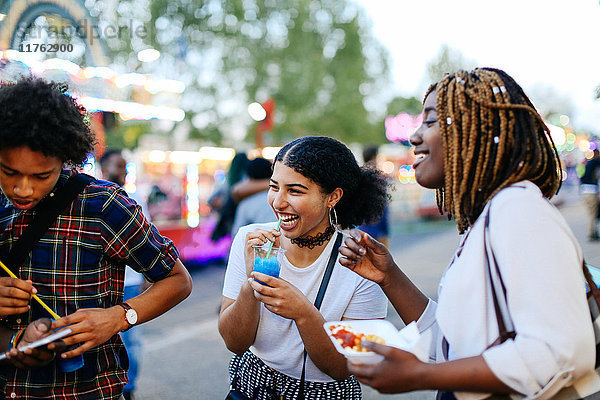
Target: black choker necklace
{"x": 313, "y": 241}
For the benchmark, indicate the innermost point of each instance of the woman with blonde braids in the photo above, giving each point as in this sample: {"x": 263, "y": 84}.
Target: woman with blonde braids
{"x": 488, "y": 154}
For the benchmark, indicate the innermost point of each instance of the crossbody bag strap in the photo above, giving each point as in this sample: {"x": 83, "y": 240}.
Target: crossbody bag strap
{"x": 46, "y": 214}
{"x": 505, "y": 328}
{"x": 319, "y": 300}
{"x": 594, "y": 305}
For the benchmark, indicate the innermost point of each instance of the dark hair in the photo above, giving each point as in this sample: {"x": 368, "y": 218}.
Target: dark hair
{"x": 107, "y": 155}
{"x": 259, "y": 168}
{"x": 330, "y": 164}
{"x": 43, "y": 117}
{"x": 493, "y": 137}
{"x": 237, "y": 168}
{"x": 370, "y": 153}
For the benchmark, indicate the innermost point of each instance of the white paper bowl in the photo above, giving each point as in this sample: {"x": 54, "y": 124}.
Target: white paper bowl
{"x": 379, "y": 327}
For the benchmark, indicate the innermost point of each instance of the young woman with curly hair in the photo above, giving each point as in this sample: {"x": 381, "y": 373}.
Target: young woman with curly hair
{"x": 316, "y": 188}
{"x": 487, "y": 152}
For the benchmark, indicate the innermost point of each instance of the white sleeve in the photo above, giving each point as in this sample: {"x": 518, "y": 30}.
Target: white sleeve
{"x": 540, "y": 264}
{"x": 367, "y": 302}
{"x": 235, "y": 275}
{"x": 428, "y": 323}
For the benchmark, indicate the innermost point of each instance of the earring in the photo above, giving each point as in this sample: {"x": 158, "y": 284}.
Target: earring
{"x": 333, "y": 219}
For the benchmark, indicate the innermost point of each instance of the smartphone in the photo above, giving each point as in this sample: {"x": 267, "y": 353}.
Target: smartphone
{"x": 44, "y": 341}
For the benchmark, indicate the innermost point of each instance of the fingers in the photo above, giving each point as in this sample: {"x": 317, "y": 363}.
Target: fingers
{"x": 17, "y": 287}
{"x": 355, "y": 243}
{"x": 31, "y": 358}
{"x": 68, "y": 320}
{"x": 264, "y": 279}
{"x": 386, "y": 351}
{"x": 15, "y": 295}
{"x": 353, "y": 253}
{"x": 261, "y": 236}
{"x": 364, "y": 240}
{"x": 264, "y": 288}
{"x": 35, "y": 330}
{"x": 80, "y": 327}
{"x": 350, "y": 264}
{"x": 79, "y": 350}
{"x": 58, "y": 346}
{"x": 363, "y": 372}
{"x": 13, "y": 310}
{"x": 43, "y": 324}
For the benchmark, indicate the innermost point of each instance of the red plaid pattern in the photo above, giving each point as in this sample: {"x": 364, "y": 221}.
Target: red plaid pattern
{"x": 80, "y": 263}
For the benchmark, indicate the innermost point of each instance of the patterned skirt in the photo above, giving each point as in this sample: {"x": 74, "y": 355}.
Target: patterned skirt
{"x": 250, "y": 375}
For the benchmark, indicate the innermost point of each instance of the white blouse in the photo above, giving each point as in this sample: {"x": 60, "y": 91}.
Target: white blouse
{"x": 540, "y": 264}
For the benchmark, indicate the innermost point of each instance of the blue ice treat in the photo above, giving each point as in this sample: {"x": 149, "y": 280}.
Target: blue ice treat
{"x": 267, "y": 266}
{"x": 73, "y": 363}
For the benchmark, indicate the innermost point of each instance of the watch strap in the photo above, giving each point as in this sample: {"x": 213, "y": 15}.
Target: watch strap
{"x": 126, "y": 307}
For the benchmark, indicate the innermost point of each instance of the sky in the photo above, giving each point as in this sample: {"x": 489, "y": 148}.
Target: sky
{"x": 540, "y": 43}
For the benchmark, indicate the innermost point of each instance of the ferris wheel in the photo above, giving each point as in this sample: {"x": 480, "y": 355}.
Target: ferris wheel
{"x": 51, "y": 29}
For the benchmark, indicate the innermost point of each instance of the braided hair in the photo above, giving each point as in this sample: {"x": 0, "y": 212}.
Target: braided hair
{"x": 493, "y": 137}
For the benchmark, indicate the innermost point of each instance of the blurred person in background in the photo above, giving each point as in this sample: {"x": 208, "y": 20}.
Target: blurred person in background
{"x": 221, "y": 200}
{"x": 255, "y": 208}
{"x": 490, "y": 157}
{"x": 114, "y": 169}
{"x": 589, "y": 193}
{"x": 379, "y": 230}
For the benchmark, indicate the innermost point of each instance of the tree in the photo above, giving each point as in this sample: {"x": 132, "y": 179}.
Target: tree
{"x": 317, "y": 59}
{"x": 447, "y": 61}
{"x": 410, "y": 105}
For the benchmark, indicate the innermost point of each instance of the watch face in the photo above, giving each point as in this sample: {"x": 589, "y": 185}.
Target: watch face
{"x": 131, "y": 316}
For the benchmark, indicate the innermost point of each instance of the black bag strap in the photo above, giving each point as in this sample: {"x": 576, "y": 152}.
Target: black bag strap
{"x": 319, "y": 300}
{"x": 46, "y": 214}
{"x": 504, "y": 332}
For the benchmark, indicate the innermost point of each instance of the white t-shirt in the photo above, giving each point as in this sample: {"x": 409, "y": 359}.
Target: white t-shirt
{"x": 278, "y": 342}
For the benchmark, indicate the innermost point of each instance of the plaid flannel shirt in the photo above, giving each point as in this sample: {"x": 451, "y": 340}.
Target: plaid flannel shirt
{"x": 80, "y": 263}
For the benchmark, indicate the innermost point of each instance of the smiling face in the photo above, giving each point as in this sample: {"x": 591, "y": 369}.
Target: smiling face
{"x": 27, "y": 176}
{"x": 300, "y": 202}
{"x": 429, "y": 165}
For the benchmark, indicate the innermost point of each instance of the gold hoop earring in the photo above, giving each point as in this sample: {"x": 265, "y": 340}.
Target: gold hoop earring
{"x": 333, "y": 219}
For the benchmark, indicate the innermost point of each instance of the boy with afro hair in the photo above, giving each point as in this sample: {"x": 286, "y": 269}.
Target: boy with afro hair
{"x": 78, "y": 264}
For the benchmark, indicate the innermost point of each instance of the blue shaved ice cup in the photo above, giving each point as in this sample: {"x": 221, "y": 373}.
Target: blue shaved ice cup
{"x": 268, "y": 266}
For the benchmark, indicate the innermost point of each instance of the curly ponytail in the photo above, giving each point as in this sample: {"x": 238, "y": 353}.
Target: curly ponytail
{"x": 330, "y": 164}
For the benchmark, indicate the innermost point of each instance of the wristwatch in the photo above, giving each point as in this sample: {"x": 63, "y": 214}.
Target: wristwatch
{"x": 130, "y": 315}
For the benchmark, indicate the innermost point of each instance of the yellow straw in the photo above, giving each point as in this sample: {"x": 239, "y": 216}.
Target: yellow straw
{"x": 271, "y": 244}
{"x": 9, "y": 272}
